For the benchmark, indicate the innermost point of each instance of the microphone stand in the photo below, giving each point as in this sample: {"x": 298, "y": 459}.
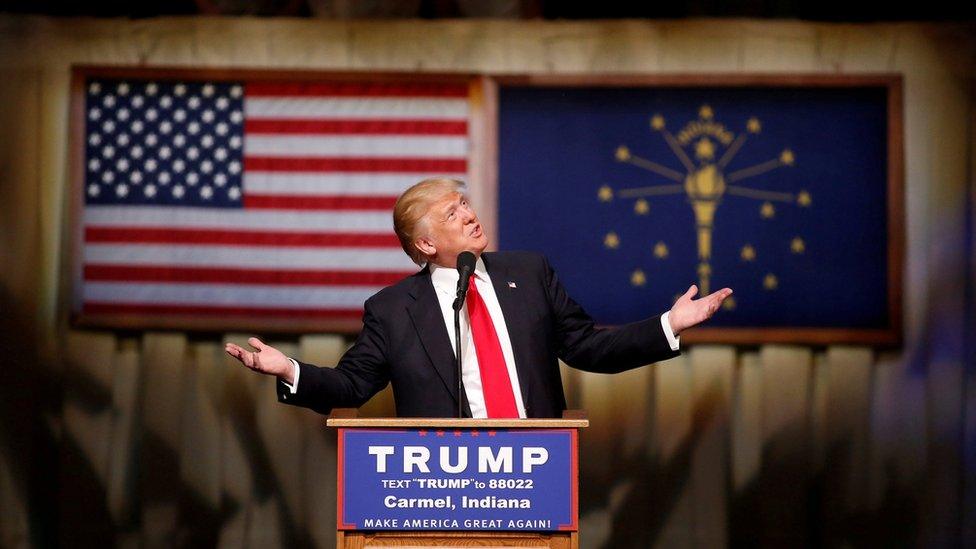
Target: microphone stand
{"x": 457, "y": 353}
{"x": 465, "y": 266}
{"x": 458, "y": 303}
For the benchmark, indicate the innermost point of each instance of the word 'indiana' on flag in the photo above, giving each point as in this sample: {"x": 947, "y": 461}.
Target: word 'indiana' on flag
{"x": 254, "y": 199}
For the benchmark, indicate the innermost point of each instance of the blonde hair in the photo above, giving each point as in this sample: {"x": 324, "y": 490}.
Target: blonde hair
{"x": 412, "y": 207}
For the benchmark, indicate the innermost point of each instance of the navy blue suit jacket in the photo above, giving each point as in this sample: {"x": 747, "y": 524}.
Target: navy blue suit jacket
{"x": 405, "y": 341}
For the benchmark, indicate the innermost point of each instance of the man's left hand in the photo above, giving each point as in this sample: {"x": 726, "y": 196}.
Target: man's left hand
{"x": 687, "y": 312}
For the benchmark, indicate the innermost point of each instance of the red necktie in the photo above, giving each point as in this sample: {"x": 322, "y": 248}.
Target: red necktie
{"x": 497, "y": 387}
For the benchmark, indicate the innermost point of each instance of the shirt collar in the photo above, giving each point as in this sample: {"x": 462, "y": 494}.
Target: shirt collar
{"x": 445, "y": 279}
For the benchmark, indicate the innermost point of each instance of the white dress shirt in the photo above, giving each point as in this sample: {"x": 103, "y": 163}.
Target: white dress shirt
{"x": 445, "y": 282}
{"x": 445, "y": 285}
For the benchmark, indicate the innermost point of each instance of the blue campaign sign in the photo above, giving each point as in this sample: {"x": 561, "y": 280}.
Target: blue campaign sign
{"x": 508, "y": 480}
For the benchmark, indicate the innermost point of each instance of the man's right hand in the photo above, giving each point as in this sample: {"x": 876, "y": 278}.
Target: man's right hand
{"x": 265, "y": 359}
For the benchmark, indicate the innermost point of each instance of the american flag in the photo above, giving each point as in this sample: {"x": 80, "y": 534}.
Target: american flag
{"x": 254, "y": 199}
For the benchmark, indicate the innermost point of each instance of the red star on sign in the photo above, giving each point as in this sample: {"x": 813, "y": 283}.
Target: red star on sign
{"x": 440, "y": 433}
{"x": 457, "y": 433}
{"x": 491, "y": 433}
{"x": 475, "y": 433}
{"x": 422, "y": 433}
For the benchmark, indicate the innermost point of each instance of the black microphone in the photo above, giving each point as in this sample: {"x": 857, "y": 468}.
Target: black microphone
{"x": 465, "y": 266}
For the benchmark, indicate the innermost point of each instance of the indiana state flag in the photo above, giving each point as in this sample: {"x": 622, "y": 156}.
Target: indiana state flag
{"x": 636, "y": 193}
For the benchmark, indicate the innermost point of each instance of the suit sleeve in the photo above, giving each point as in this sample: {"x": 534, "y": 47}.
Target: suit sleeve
{"x": 361, "y": 373}
{"x": 583, "y": 345}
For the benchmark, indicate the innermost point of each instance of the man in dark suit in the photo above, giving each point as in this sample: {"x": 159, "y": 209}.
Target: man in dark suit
{"x": 517, "y": 322}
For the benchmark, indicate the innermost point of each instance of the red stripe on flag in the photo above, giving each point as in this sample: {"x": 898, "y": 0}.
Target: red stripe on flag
{"x": 354, "y": 89}
{"x": 96, "y": 308}
{"x": 346, "y": 164}
{"x": 293, "y": 202}
{"x": 138, "y": 235}
{"x": 351, "y": 127}
{"x": 115, "y": 273}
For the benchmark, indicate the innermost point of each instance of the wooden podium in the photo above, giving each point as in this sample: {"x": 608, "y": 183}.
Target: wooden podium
{"x": 542, "y": 478}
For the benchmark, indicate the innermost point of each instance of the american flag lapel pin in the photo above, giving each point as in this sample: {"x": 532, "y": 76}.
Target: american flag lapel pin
{"x": 511, "y": 284}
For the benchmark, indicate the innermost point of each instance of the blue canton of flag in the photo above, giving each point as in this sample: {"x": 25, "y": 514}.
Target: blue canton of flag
{"x": 179, "y": 144}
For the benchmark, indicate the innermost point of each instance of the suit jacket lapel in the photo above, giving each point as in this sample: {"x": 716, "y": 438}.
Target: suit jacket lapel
{"x": 425, "y": 312}
{"x": 514, "y": 312}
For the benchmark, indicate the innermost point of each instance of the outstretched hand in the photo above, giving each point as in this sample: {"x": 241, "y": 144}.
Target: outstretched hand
{"x": 687, "y": 312}
{"x": 265, "y": 359}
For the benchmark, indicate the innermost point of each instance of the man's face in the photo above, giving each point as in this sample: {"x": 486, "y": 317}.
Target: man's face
{"x": 453, "y": 227}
